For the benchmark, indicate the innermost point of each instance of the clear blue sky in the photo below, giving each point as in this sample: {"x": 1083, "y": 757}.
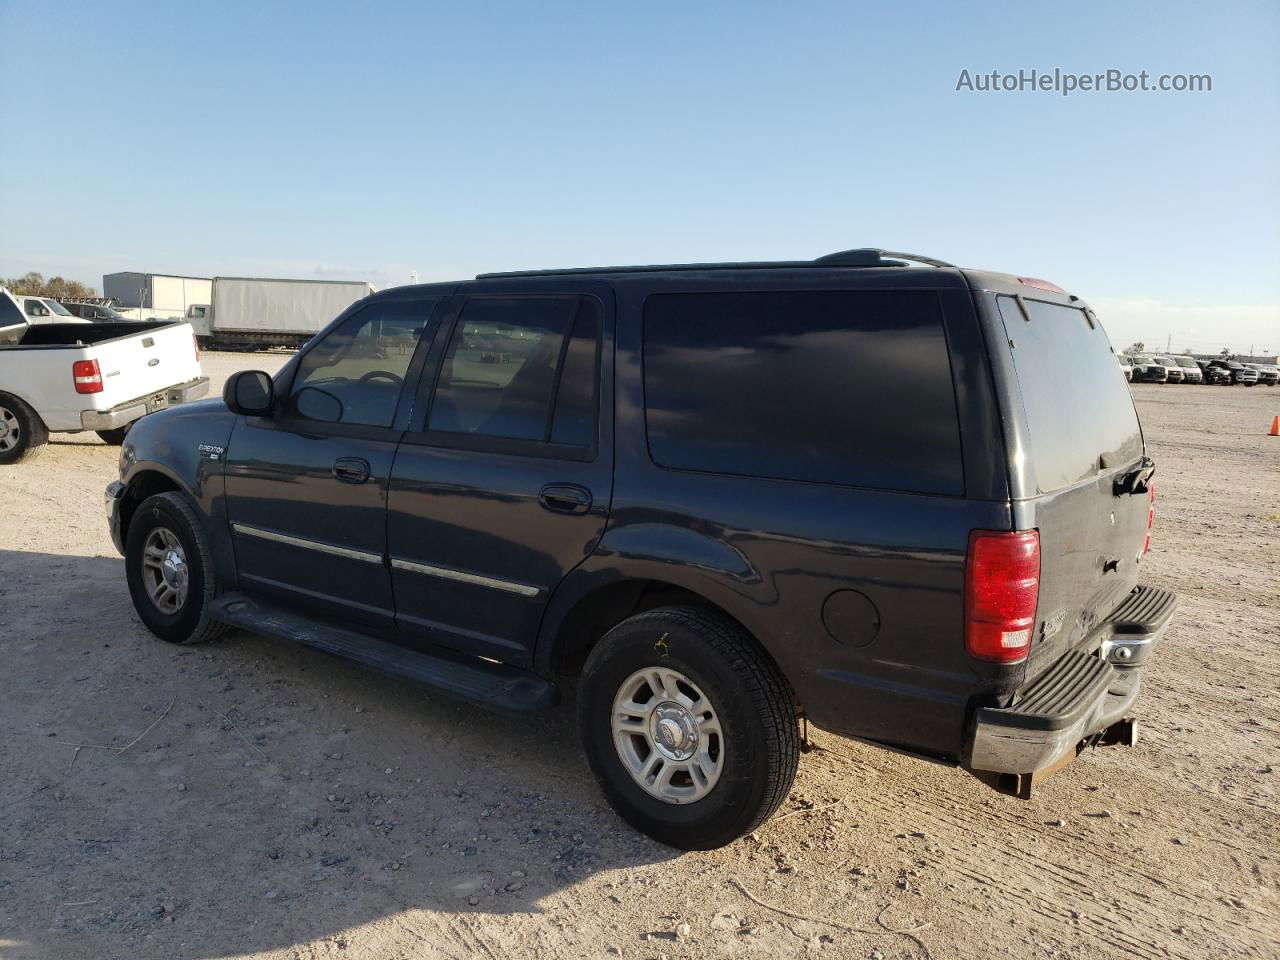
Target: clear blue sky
{"x": 345, "y": 140}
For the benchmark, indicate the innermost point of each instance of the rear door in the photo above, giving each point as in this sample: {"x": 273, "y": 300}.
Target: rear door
{"x": 307, "y": 487}
{"x": 1079, "y": 438}
{"x": 503, "y": 484}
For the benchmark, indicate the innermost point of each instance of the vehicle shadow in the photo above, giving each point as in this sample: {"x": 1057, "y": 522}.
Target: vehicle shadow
{"x": 248, "y": 795}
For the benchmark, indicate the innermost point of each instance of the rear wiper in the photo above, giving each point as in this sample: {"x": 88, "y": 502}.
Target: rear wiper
{"x": 1135, "y": 480}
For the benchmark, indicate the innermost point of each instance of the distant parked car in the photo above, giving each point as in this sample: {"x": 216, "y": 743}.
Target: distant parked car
{"x": 1147, "y": 369}
{"x": 1126, "y": 365}
{"x": 1214, "y": 374}
{"x": 95, "y": 313}
{"x": 1190, "y": 369}
{"x": 45, "y": 310}
{"x": 1266, "y": 374}
{"x": 1173, "y": 372}
{"x": 1238, "y": 372}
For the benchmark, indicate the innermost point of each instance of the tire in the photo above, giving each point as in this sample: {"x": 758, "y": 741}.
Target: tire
{"x": 748, "y": 766}
{"x": 23, "y": 434}
{"x": 114, "y": 437}
{"x": 160, "y": 521}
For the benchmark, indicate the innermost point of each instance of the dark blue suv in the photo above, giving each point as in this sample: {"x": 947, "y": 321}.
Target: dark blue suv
{"x": 908, "y": 504}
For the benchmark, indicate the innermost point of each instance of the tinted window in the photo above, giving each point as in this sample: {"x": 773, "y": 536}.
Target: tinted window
{"x": 353, "y": 374}
{"x": 575, "y": 410}
{"x": 1078, "y": 406}
{"x": 9, "y": 312}
{"x": 512, "y": 362}
{"x": 832, "y": 387}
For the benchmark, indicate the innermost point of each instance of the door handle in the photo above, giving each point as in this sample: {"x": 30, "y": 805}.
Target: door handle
{"x": 351, "y": 469}
{"x": 565, "y": 498}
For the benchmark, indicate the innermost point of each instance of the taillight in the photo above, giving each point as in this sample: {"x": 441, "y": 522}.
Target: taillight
{"x": 195, "y": 343}
{"x": 87, "y": 376}
{"x": 1040, "y": 284}
{"x": 1001, "y": 587}
{"x": 1151, "y": 517}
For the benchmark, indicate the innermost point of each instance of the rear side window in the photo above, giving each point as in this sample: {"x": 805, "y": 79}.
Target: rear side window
{"x": 521, "y": 368}
{"x": 1079, "y": 410}
{"x": 837, "y": 387}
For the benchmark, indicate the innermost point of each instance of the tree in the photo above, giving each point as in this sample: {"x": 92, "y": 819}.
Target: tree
{"x": 35, "y": 285}
{"x": 1136, "y": 347}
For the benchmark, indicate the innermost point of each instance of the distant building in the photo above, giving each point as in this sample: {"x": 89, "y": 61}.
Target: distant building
{"x": 165, "y": 293}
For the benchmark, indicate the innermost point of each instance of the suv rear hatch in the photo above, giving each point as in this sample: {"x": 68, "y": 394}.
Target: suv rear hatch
{"x": 1079, "y": 474}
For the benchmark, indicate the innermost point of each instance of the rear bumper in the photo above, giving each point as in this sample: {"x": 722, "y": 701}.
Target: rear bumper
{"x": 125, "y": 413}
{"x": 1078, "y": 698}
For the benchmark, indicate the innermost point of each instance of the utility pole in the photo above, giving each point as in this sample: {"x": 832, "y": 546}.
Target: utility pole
{"x": 1168, "y": 342}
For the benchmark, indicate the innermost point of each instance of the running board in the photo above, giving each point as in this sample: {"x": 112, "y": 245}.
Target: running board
{"x": 477, "y": 681}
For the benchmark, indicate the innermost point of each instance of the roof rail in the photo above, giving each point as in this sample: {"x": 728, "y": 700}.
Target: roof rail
{"x": 862, "y": 257}
{"x": 873, "y": 257}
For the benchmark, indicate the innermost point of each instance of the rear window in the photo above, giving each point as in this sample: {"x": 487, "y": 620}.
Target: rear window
{"x": 838, "y": 387}
{"x": 10, "y": 313}
{"x": 1078, "y": 406}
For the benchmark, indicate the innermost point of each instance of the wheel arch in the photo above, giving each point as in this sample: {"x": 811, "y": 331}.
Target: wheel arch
{"x": 585, "y": 607}
{"x": 144, "y": 482}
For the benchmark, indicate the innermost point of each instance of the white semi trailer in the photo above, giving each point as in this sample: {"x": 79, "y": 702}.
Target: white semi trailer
{"x": 254, "y": 313}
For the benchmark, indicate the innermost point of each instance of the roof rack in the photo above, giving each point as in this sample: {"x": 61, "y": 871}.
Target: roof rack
{"x": 861, "y": 257}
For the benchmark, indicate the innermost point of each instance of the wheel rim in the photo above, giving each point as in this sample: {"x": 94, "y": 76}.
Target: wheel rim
{"x": 10, "y": 432}
{"x": 668, "y": 735}
{"x": 164, "y": 570}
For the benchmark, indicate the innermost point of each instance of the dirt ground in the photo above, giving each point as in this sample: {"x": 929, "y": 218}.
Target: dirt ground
{"x": 271, "y": 802}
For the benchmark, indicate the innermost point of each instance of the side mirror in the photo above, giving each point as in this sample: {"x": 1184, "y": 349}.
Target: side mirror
{"x": 249, "y": 393}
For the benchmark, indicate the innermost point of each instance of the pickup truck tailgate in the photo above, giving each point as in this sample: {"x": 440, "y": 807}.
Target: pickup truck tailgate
{"x": 144, "y": 363}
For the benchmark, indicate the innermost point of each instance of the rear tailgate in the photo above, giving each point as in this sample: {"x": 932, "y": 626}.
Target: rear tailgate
{"x": 1082, "y": 483}
{"x": 143, "y": 364}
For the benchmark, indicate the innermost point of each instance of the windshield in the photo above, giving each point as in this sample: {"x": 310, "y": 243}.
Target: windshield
{"x": 1141, "y": 359}
{"x": 1185, "y": 361}
{"x": 56, "y": 307}
{"x": 1167, "y": 361}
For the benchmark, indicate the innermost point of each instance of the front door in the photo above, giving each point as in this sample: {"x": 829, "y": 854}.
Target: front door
{"x": 307, "y": 487}
{"x": 503, "y": 484}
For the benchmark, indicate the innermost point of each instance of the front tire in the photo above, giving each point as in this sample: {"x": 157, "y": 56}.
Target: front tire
{"x": 23, "y": 434}
{"x": 169, "y": 569}
{"x": 688, "y": 726}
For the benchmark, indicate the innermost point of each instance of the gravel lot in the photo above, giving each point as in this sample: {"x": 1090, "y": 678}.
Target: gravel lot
{"x": 282, "y": 804}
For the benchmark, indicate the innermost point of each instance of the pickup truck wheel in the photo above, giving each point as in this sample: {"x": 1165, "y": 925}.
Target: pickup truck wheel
{"x": 688, "y": 726}
{"x": 114, "y": 437}
{"x": 23, "y": 434}
{"x": 169, "y": 568}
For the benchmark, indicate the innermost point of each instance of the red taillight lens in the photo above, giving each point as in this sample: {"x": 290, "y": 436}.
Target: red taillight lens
{"x": 87, "y": 376}
{"x": 1001, "y": 587}
{"x": 1151, "y": 517}
{"x": 1040, "y": 284}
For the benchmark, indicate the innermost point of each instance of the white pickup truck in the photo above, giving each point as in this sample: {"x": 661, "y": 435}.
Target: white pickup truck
{"x": 68, "y": 377}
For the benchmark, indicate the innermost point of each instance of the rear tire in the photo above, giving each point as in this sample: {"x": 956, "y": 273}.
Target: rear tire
{"x": 169, "y": 569}
{"x": 23, "y": 434}
{"x": 114, "y": 437}
{"x": 695, "y": 778}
